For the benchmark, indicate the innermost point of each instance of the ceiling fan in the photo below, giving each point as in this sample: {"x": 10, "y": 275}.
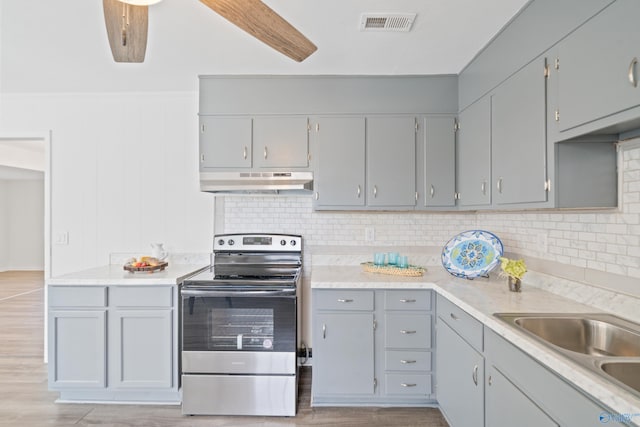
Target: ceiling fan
{"x": 127, "y": 23}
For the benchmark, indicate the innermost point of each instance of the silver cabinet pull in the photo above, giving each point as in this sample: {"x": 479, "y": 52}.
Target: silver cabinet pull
{"x": 317, "y": 195}
{"x": 202, "y": 157}
{"x": 483, "y": 187}
{"x": 324, "y": 331}
{"x": 453, "y": 316}
{"x": 244, "y": 153}
{"x": 359, "y": 191}
{"x": 404, "y": 331}
{"x": 474, "y": 376}
{"x": 408, "y": 384}
{"x": 490, "y": 380}
{"x": 432, "y": 191}
{"x": 499, "y": 185}
{"x": 375, "y": 191}
{"x": 407, "y": 362}
{"x": 632, "y": 74}
{"x": 407, "y": 300}
{"x": 344, "y": 300}
{"x": 265, "y": 152}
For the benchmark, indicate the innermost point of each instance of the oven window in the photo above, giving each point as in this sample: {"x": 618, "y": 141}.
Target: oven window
{"x": 212, "y": 323}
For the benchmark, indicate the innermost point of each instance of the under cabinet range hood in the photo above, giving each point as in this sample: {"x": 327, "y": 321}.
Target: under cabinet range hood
{"x": 256, "y": 182}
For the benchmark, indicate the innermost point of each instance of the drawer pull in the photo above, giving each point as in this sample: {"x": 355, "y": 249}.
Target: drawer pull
{"x": 454, "y": 317}
{"x": 404, "y": 331}
{"x": 406, "y": 362}
{"x": 408, "y": 384}
{"x": 632, "y": 75}
{"x": 407, "y": 300}
{"x": 344, "y": 300}
{"x": 474, "y": 376}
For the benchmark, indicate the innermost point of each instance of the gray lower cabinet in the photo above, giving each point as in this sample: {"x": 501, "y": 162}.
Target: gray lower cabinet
{"x": 598, "y": 67}
{"x": 125, "y": 350}
{"x": 436, "y": 163}
{"x": 473, "y": 164}
{"x": 372, "y": 347}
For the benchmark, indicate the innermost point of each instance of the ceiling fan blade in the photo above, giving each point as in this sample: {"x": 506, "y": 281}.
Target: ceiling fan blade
{"x": 127, "y": 27}
{"x": 259, "y": 20}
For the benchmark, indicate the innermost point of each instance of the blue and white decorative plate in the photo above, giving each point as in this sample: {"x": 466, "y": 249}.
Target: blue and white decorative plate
{"x": 472, "y": 253}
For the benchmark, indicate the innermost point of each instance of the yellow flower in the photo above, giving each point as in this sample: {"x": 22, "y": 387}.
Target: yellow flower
{"x": 513, "y": 268}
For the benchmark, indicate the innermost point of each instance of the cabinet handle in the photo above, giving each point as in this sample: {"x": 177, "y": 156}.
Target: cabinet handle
{"x": 432, "y": 191}
{"x": 453, "y": 316}
{"x": 324, "y": 331}
{"x": 499, "y": 185}
{"x": 359, "y": 191}
{"x": 404, "y": 331}
{"x": 407, "y": 300}
{"x": 244, "y": 153}
{"x": 474, "y": 376}
{"x": 375, "y": 191}
{"x": 483, "y": 187}
{"x": 408, "y": 384}
{"x": 317, "y": 195}
{"x": 490, "y": 380}
{"x": 406, "y": 362}
{"x": 344, "y": 300}
{"x": 265, "y": 152}
{"x": 632, "y": 74}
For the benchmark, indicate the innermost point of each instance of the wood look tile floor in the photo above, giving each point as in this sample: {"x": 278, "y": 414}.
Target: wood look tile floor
{"x": 25, "y": 400}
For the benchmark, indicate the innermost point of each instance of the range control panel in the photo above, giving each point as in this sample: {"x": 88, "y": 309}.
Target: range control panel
{"x": 257, "y": 242}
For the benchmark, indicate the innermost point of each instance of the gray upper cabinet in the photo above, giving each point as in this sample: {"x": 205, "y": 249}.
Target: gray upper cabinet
{"x": 474, "y": 155}
{"x": 391, "y": 150}
{"x": 281, "y": 141}
{"x": 435, "y": 163}
{"x": 518, "y": 137}
{"x": 598, "y": 68}
{"x": 225, "y": 142}
{"x": 339, "y": 144}
{"x": 238, "y": 142}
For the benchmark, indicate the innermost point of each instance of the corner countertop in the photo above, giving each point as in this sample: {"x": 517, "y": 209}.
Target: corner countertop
{"x": 481, "y": 298}
{"x": 115, "y": 275}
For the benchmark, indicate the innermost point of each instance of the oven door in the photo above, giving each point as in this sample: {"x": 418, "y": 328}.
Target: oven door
{"x": 238, "y": 331}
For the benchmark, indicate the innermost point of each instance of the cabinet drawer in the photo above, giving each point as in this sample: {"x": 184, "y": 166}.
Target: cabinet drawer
{"x": 141, "y": 296}
{"x": 400, "y": 360}
{"x": 408, "y": 384}
{"x": 462, "y": 322}
{"x": 343, "y": 300}
{"x": 408, "y": 330}
{"x": 77, "y": 296}
{"x": 407, "y": 300}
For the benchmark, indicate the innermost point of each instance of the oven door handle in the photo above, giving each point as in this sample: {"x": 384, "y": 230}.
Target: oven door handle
{"x": 234, "y": 294}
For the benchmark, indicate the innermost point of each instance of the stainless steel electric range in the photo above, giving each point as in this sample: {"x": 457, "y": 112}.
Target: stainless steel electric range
{"x": 239, "y": 333}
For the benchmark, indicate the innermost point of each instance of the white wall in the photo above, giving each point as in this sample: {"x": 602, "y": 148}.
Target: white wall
{"x": 124, "y": 172}
{"x": 4, "y": 225}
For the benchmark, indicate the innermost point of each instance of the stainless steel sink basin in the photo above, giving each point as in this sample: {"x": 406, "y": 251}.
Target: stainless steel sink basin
{"x": 605, "y": 344}
{"x": 598, "y": 337}
{"x": 626, "y": 372}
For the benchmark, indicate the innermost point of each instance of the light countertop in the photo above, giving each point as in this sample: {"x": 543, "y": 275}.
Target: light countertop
{"x": 114, "y": 274}
{"x": 481, "y": 298}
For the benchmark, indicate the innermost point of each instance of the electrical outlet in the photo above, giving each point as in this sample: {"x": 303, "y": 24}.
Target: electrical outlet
{"x": 369, "y": 234}
{"x": 62, "y": 238}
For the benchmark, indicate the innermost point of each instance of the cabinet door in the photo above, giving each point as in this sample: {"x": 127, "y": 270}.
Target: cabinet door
{"x": 391, "y": 150}
{"x": 518, "y": 137}
{"x": 141, "y": 351}
{"x": 225, "y": 142}
{"x": 507, "y": 406}
{"x": 340, "y": 153}
{"x": 596, "y": 68}
{"x": 280, "y": 142}
{"x": 77, "y": 349}
{"x": 474, "y": 155}
{"x": 460, "y": 380}
{"x": 343, "y": 362}
{"x": 438, "y": 170}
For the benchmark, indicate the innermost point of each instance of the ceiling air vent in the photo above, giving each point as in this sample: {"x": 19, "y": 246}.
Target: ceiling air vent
{"x": 387, "y": 21}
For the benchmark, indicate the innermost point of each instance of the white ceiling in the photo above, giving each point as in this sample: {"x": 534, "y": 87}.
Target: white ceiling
{"x": 64, "y": 46}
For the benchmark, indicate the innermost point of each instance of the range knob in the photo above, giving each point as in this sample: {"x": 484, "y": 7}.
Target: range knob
{"x": 231, "y": 242}
{"x": 293, "y": 243}
{"x": 283, "y": 242}
{"x": 221, "y": 242}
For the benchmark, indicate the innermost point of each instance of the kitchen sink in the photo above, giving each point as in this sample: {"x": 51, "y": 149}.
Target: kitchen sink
{"x": 604, "y": 344}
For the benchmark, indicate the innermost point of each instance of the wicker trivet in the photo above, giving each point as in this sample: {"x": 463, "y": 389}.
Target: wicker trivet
{"x": 411, "y": 271}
